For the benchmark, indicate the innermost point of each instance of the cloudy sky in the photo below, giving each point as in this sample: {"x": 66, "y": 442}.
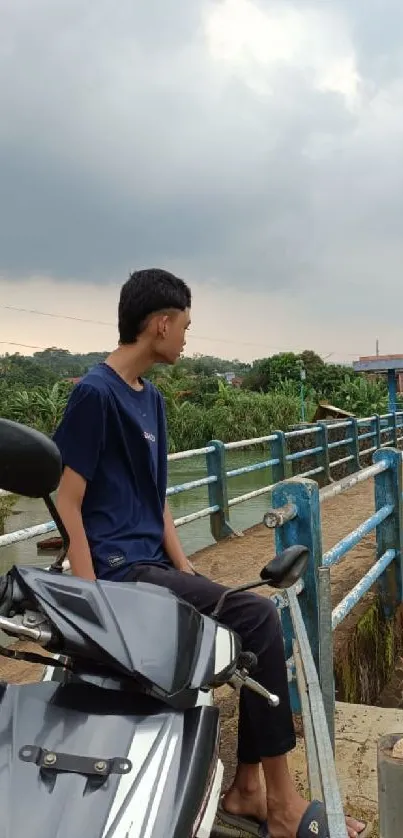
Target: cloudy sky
{"x": 253, "y": 146}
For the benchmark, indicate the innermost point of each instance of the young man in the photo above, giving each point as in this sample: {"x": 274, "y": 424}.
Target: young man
{"x": 112, "y": 501}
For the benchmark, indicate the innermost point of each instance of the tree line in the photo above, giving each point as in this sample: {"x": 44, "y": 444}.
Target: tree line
{"x": 201, "y": 404}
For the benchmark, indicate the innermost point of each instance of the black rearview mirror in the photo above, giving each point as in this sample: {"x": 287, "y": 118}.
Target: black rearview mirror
{"x": 286, "y": 568}
{"x": 282, "y": 572}
{"x": 30, "y": 463}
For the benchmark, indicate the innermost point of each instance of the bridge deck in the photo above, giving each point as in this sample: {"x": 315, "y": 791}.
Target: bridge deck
{"x": 236, "y": 560}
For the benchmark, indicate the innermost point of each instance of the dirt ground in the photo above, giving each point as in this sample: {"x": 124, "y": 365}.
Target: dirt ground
{"x": 237, "y": 560}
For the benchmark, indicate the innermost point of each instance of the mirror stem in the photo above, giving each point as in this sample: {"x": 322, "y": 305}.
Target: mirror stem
{"x": 258, "y": 583}
{"x": 57, "y": 565}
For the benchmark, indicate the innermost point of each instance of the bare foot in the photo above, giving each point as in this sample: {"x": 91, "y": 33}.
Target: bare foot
{"x": 284, "y": 819}
{"x": 250, "y": 804}
{"x": 354, "y": 827}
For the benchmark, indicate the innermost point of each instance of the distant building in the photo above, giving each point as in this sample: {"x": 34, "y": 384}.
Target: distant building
{"x": 230, "y": 378}
{"x": 376, "y": 365}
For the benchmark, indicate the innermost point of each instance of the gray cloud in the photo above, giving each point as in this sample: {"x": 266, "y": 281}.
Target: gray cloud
{"x": 125, "y": 142}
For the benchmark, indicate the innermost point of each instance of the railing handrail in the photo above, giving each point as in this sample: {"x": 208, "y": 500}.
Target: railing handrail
{"x": 386, "y": 472}
{"x": 318, "y": 743}
{"x": 279, "y": 461}
{"x": 296, "y": 515}
{"x": 346, "y": 483}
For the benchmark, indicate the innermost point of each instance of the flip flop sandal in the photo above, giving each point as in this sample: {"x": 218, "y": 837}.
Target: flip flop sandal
{"x": 314, "y": 823}
{"x": 243, "y": 823}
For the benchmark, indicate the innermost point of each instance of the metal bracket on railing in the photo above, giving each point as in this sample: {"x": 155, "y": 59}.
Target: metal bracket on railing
{"x": 291, "y": 670}
{"x": 281, "y": 600}
{"x": 278, "y": 517}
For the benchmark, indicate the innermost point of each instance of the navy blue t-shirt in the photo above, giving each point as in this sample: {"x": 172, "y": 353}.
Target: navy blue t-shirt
{"x": 115, "y": 437}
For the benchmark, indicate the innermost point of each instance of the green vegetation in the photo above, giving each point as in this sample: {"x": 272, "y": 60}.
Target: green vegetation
{"x": 226, "y": 413}
{"x": 201, "y": 405}
{"x": 365, "y": 659}
{"x": 7, "y": 502}
{"x": 40, "y": 406}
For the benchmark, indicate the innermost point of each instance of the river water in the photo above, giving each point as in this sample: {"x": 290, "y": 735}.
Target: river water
{"x": 194, "y": 536}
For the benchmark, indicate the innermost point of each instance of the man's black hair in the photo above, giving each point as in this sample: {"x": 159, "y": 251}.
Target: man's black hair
{"x": 148, "y": 292}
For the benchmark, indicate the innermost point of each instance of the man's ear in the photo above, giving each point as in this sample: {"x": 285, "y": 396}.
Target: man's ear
{"x": 162, "y": 325}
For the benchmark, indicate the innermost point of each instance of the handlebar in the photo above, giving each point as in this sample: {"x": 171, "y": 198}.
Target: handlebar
{"x": 27, "y": 624}
{"x": 31, "y": 625}
{"x": 240, "y": 678}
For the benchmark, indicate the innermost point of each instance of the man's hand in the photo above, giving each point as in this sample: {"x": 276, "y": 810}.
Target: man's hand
{"x": 172, "y": 545}
{"x": 187, "y": 568}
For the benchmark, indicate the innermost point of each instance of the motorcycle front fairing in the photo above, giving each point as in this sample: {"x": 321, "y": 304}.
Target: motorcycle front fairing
{"x": 171, "y": 757}
{"x": 133, "y": 630}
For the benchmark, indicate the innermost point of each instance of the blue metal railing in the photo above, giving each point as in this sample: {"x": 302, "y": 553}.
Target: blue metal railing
{"x": 302, "y": 524}
{"x": 363, "y": 586}
{"x": 281, "y": 462}
{"x": 296, "y": 516}
{"x": 322, "y": 775}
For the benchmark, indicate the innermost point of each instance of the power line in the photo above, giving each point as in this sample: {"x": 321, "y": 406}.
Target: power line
{"x": 59, "y": 316}
{"x": 26, "y": 345}
{"x": 190, "y": 336}
{"x": 108, "y": 323}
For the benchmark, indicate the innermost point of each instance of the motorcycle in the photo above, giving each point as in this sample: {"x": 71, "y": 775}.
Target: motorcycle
{"x": 121, "y": 737}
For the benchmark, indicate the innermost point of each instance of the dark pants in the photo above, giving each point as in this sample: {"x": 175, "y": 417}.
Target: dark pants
{"x": 263, "y": 731}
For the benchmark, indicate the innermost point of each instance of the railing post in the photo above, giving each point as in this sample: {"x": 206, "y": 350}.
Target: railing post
{"x": 394, "y": 429}
{"x": 389, "y": 534}
{"x": 218, "y": 491}
{"x": 353, "y": 447}
{"x": 304, "y": 529}
{"x": 399, "y": 427}
{"x": 326, "y": 649}
{"x": 377, "y": 430}
{"x": 324, "y": 458}
{"x": 392, "y": 390}
{"x": 278, "y": 450}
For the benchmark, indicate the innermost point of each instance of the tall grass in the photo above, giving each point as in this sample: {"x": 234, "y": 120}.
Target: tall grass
{"x": 41, "y": 407}
{"x": 202, "y": 409}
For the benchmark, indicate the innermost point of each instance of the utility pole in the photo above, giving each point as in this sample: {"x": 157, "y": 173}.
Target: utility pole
{"x": 302, "y": 394}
